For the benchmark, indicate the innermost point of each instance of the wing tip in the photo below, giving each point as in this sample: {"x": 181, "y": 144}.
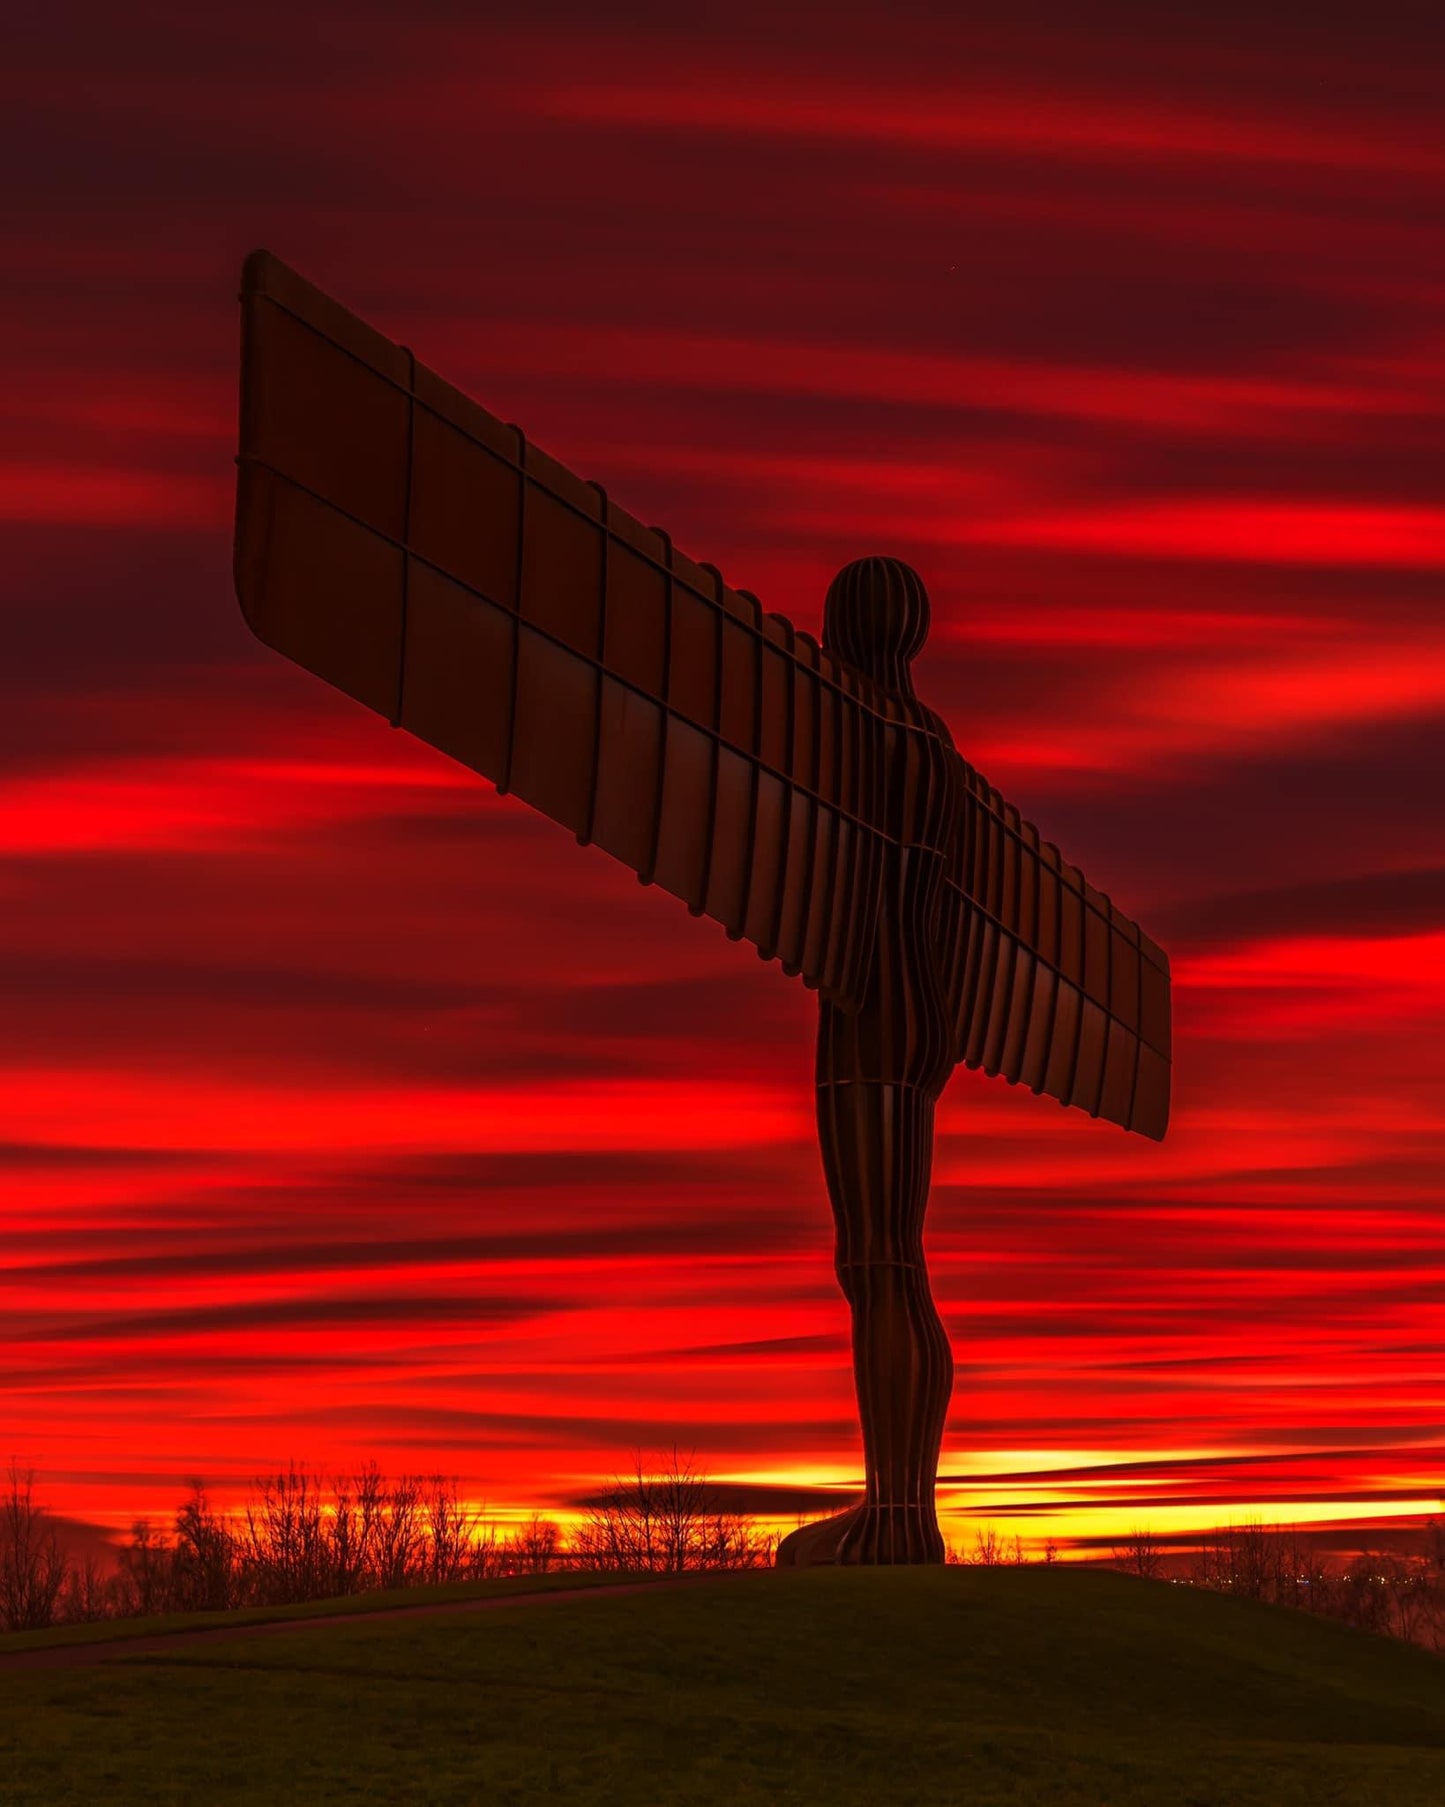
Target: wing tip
{"x": 248, "y": 549}
{"x": 1149, "y": 1115}
{"x": 260, "y": 270}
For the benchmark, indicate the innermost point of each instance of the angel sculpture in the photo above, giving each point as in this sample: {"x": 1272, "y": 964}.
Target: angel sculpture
{"x": 416, "y": 552}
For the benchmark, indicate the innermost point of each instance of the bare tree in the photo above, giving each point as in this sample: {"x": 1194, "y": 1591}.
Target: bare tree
{"x": 665, "y": 1520}
{"x": 86, "y": 1593}
{"x": 728, "y": 1541}
{"x": 1140, "y": 1554}
{"x": 350, "y": 1530}
{"x": 448, "y": 1529}
{"x": 1256, "y": 1561}
{"x": 1394, "y": 1595}
{"x": 988, "y": 1550}
{"x": 1239, "y": 1559}
{"x": 32, "y": 1564}
{"x": 205, "y": 1567}
{"x": 400, "y": 1535}
{"x": 1408, "y": 1585}
{"x": 486, "y": 1554}
{"x": 535, "y": 1547}
{"x": 1361, "y": 1598}
{"x": 1297, "y": 1576}
{"x": 287, "y": 1548}
{"x": 145, "y": 1577}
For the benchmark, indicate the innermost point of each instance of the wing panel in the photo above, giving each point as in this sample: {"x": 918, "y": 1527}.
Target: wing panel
{"x": 336, "y": 425}
{"x": 1055, "y": 988}
{"x": 1064, "y": 1042}
{"x": 460, "y": 656}
{"x": 629, "y": 768}
{"x": 1150, "y": 1112}
{"x": 840, "y": 783}
{"x": 682, "y": 840}
{"x": 821, "y": 909}
{"x": 727, "y": 892}
{"x": 769, "y": 853}
{"x": 829, "y": 893}
{"x": 465, "y": 505}
{"x": 320, "y": 589}
{"x": 1071, "y": 925}
{"x": 1154, "y": 1006}
{"x": 1096, "y": 949}
{"x": 562, "y": 581}
{"x": 775, "y": 707}
{"x": 797, "y": 881}
{"x": 806, "y": 735}
{"x": 1089, "y": 1059}
{"x": 554, "y": 731}
{"x": 1015, "y": 1027}
{"x": 1000, "y": 1002}
{"x": 635, "y": 646}
{"x": 1124, "y": 977}
{"x": 693, "y": 653}
{"x": 410, "y": 548}
{"x": 1050, "y": 904}
{"x": 982, "y": 1004}
{"x": 1008, "y": 857}
{"x": 1121, "y": 1058}
{"x": 1034, "y": 1064}
{"x": 971, "y": 966}
{"x": 741, "y": 681}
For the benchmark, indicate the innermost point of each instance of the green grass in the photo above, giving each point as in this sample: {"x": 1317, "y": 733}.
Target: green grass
{"x": 851, "y": 1688}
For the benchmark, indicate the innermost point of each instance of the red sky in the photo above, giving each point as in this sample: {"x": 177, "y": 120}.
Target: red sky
{"x": 349, "y": 1110}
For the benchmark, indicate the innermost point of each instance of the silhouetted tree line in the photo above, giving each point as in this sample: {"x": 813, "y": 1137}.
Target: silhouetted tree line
{"x": 990, "y": 1550}
{"x": 301, "y": 1536}
{"x": 1400, "y": 1596}
{"x": 660, "y": 1522}
{"x": 34, "y": 1573}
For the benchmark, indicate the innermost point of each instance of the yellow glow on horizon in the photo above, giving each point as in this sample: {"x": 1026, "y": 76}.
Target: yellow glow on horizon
{"x": 1074, "y": 1524}
{"x": 1045, "y": 1461}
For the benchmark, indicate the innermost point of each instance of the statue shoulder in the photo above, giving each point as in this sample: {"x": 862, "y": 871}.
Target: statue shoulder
{"x": 934, "y": 727}
{"x": 939, "y": 726}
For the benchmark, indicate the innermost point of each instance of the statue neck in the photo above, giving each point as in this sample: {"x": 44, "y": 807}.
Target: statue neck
{"x": 888, "y": 668}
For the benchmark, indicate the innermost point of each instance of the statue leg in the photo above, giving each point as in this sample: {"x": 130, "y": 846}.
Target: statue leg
{"x": 878, "y": 1157}
{"x": 877, "y": 1142}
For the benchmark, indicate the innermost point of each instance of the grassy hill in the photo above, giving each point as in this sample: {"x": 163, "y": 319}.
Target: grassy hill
{"x": 1019, "y": 1686}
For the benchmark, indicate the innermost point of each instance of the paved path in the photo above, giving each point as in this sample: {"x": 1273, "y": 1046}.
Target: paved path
{"x": 78, "y": 1656}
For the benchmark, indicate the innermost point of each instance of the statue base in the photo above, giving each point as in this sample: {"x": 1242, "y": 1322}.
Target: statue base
{"x": 864, "y": 1537}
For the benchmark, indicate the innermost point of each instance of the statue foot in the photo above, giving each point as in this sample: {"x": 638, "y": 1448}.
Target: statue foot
{"x": 865, "y": 1536}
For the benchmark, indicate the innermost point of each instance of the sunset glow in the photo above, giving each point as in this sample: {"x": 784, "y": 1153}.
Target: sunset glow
{"x": 350, "y": 1110}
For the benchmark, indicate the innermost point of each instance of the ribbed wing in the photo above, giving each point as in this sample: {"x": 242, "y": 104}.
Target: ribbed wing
{"x": 1050, "y": 984}
{"x": 416, "y": 552}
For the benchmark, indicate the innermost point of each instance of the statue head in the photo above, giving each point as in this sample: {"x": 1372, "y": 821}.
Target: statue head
{"x": 875, "y": 617}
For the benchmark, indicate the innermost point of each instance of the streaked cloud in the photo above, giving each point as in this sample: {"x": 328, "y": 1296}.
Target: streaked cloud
{"x": 961, "y": 117}
{"x": 347, "y": 1109}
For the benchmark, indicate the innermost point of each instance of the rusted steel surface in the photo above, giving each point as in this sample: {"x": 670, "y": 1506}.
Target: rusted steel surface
{"x": 413, "y": 550}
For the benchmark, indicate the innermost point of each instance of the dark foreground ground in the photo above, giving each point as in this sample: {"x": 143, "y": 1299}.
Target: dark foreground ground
{"x": 983, "y": 1686}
